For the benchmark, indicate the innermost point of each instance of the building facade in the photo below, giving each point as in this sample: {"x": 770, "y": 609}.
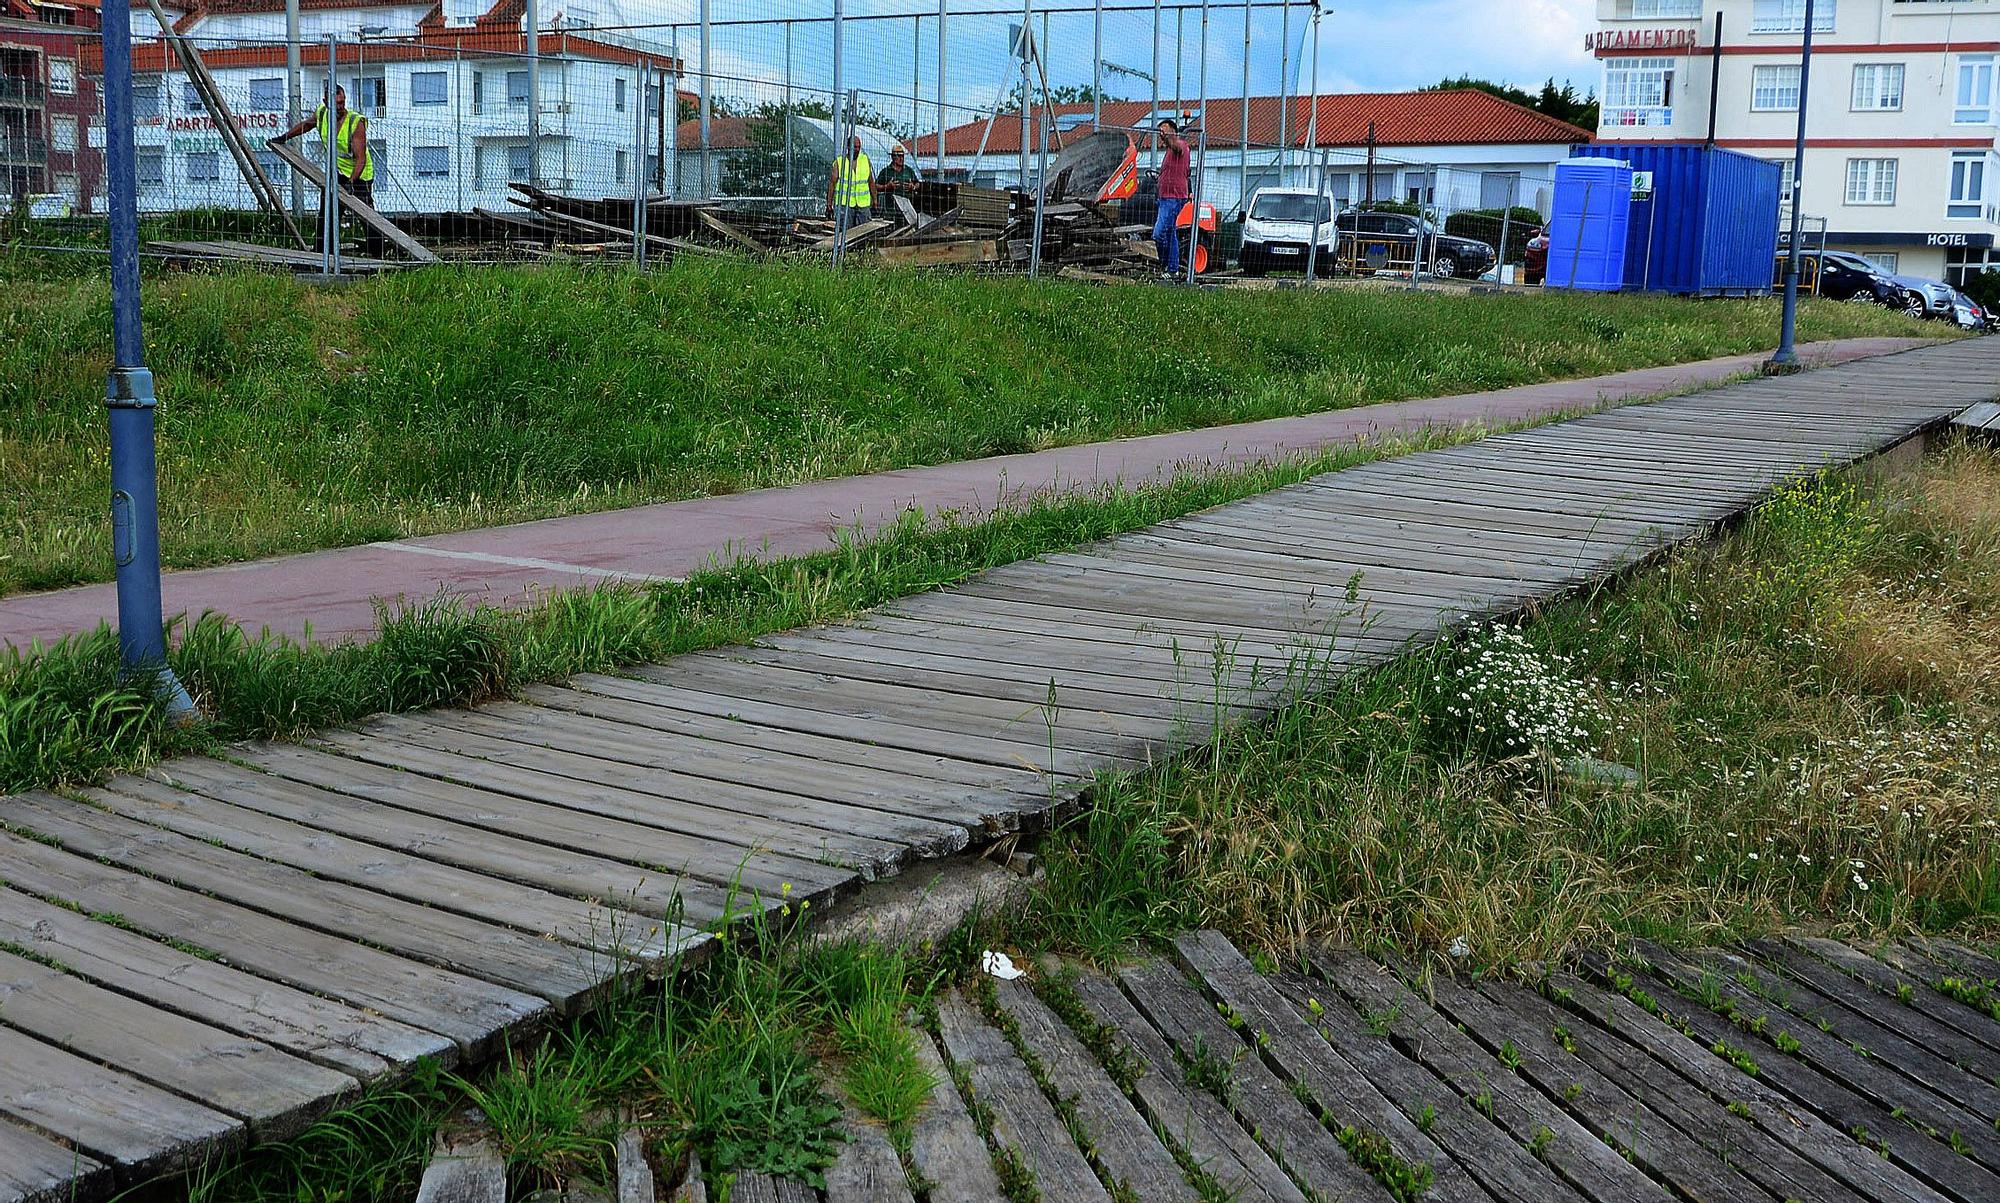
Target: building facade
{"x": 48, "y": 102}
{"x": 1900, "y": 163}
{"x": 1455, "y": 150}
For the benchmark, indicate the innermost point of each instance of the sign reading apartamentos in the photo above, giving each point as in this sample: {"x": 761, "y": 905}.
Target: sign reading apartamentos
{"x": 1643, "y": 39}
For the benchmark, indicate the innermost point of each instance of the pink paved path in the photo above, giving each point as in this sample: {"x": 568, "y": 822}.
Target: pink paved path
{"x": 333, "y": 592}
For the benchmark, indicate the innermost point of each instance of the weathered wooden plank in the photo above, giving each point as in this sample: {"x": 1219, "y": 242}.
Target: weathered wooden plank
{"x": 1743, "y": 1147}
{"x": 556, "y": 865}
{"x": 584, "y": 923}
{"x": 275, "y": 1091}
{"x": 109, "y": 1116}
{"x": 1619, "y": 1115}
{"x": 466, "y": 1165}
{"x": 1190, "y": 1117}
{"x": 354, "y": 204}
{"x": 866, "y": 1169}
{"x": 500, "y": 955}
{"x": 34, "y": 1169}
{"x": 1302, "y": 1056}
{"x": 1527, "y": 1114}
{"x": 1121, "y": 1144}
{"x": 1024, "y": 1123}
{"x": 179, "y": 983}
{"x": 632, "y": 1176}
{"x": 945, "y": 1146}
{"x": 470, "y": 1011}
{"x": 1839, "y": 1105}
{"x": 1811, "y": 1148}
{"x": 1292, "y": 1135}
{"x": 1502, "y": 1168}
{"x": 1906, "y": 1023}
{"x": 1890, "y": 1092}
{"x": 1905, "y": 988}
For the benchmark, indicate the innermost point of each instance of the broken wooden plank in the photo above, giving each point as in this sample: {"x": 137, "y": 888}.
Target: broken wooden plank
{"x": 856, "y": 235}
{"x": 355, "y": 205}
{"x": 944, "y": 1144}
{"x": 632, "y": 1176}
{"x": 466, "y": 1166}
{"x": 709, "y": 219}
{"x": 965, "y": 253}
{"x": 866, "y": 1169}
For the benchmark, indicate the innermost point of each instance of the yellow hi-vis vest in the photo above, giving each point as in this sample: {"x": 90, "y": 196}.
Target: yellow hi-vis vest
{"x": 343, "y": 155}
{"x": 851, "y": 176}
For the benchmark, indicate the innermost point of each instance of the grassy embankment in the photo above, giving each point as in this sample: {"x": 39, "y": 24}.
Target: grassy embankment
{"x": 295, "y": 417}
{"x": 1796, "y": 725}
{"x": 1811, "y": 706}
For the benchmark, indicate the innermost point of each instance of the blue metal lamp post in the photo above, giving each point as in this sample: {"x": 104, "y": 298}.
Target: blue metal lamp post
{"x": 1786, "y": 359}
{"x": 135, "y": 519}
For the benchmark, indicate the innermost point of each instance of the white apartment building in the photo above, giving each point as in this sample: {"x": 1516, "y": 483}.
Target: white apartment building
{"x": 446, "y": 102}
{"x": 1900, "y": 159}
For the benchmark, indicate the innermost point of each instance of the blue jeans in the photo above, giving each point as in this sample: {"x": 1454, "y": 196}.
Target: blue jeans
{"x": 1166, "y": 232}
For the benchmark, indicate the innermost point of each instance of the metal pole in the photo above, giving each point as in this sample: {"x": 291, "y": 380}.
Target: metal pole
{"x": 1180, "y": 51}
{"x": 1243, "y": 139}
{"x": 839, "y": 134}
{"x": 1097, "y": 65}
{"x": 128, "y": 394}
{"x": 1027, "y": 84}
{"x": 707, "y": 102}
{"x": 294, "y": 92}
{"x": 1284, "y": 87}
{"x": 916, "y": 72}
{"x": 1319, "y": 221}
{"x": 330, "y": 195}
{"x": 1787, "y": 358}
{"x": 942, "y": 34}
{"x": 788, "y": 119}
{"x": 1153, "y": 114}
{"x": 639, "y": 190}
{"x": 1041, "y": 194}
{"x": 1506, "y": 223}
{"x": 670, "y": 119}
{"x": 1715, "y": 80}
{"x": 1312, "y": 97}
{"x": 533, "y": 20}
{"x": 1201, "y": 145}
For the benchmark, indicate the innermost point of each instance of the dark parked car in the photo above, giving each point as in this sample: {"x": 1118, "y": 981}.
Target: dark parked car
{"x": 1395, "y": 235}
{"x": 1840, "y": 279}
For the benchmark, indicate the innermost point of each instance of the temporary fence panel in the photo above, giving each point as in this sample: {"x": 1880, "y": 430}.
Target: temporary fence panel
{"x": 1703, "y": 221}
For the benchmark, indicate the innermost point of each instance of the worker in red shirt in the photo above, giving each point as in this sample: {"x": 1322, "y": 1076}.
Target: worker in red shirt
{"x": 1174, "y": 194}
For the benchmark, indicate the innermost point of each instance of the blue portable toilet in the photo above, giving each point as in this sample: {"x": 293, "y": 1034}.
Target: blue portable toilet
{"x": 1589, "y": 224}
{"x": 1707, "y": 224}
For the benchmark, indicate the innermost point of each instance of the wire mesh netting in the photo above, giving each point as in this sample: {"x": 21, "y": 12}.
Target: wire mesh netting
{"x": 475, "y": 136}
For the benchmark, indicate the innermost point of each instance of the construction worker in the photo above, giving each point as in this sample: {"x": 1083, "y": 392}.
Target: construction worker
{"x": 1174, "y": 193}
{"x": 897, "y": 177}
{"x": 851, "y": 184}
{"x": 352, "y": 158}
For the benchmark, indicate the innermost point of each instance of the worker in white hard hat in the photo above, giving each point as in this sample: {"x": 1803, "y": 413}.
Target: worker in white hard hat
{"x": 897, "y": 177}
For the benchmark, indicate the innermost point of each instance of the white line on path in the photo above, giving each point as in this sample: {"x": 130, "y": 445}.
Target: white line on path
{"x": 526, "y": 562}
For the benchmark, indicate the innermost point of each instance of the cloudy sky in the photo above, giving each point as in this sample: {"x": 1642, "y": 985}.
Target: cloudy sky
{"x": 1365, "y": 45}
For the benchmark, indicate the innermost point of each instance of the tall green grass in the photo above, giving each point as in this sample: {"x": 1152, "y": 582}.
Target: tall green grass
{"x": 294, "y": 417}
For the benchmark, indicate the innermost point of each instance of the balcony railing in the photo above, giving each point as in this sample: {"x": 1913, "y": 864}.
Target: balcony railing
{"x": 1651, "y": 115}
{"x": 18, "y": 152}
{"x": 15, "y": 90}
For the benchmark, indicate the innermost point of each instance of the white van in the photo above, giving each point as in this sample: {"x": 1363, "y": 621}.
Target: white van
{"x": 1278, "y": 231}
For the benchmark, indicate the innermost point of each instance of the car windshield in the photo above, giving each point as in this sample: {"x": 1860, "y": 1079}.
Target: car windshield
{"x": 1292, "y": 206}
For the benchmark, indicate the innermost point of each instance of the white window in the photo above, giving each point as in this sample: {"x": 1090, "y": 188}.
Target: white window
{"x": 204, "y": 166}
{"x": 1788, "y": 179}
{"x": 152, "y": 168}
{"x": 519, "y": 165}
{"x": 517, "y": 87}
{"x": 191, "y": 97}
{"x": 430, "y": 162}
{"x": 1774, "y": 88}
{"x": 1878, "y": 87}
{"x": 1789, "y": 16}
{"x": 369, "y": 95}
{"x": 267, "y": 95}
{"x": 1871, "y": 181}
{"x": 1638, "y": 91}
{"x": 62, "y": 76}
{"x": 1969, "y": 171}
{"x": 1888, "y": 261}
{"x": 1975, "y": 90}
{"x": 618, "y": 94}
{"x": 64, "y": 131}
{"x": 427, "y": 87}
{"x": 145, "y": 98}
{"x": 1655, "y": 9}
{"x": 622, "y": 166}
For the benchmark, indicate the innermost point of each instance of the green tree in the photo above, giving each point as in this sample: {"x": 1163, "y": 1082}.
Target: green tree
{"x": 1560, "y": 102}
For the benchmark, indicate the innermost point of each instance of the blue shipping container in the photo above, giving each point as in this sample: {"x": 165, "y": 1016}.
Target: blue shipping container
{"x": 1589, "y": 220}
{"x": 1710, "y": 226}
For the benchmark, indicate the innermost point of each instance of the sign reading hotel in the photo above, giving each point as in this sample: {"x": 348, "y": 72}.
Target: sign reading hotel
{"x": 1612, "y": 41}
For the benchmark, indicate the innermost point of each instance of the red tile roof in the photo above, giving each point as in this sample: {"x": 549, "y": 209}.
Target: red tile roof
{"x": 1458, "y": 117}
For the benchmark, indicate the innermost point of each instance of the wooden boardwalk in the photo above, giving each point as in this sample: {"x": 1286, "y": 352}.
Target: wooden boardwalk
{"x": 214, "y": 952}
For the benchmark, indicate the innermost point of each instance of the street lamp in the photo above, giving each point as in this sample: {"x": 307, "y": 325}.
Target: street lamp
{"x": 135, "y": 516}
{"x": 1787, "y": 359}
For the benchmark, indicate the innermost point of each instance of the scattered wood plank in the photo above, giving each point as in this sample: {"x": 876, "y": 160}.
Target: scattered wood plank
{"x": 1024, "y": 1123}
{"x": 466, "y": 1166}
{"x": 857, "y": 236}
{"x": 354, "y": 204}
{"x": 730, "y": 232}
{"x": 632, "y": 1177}
{"x": 945, "y": 1146}
{"x": 967, "y": 253}
{"x": 866, "y": 1169}
{"x": 693, "y": 1186}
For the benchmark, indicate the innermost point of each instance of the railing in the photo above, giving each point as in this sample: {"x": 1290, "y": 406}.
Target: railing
{"x": 1651, "y": 115}
{"x": 15, "y": 90}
